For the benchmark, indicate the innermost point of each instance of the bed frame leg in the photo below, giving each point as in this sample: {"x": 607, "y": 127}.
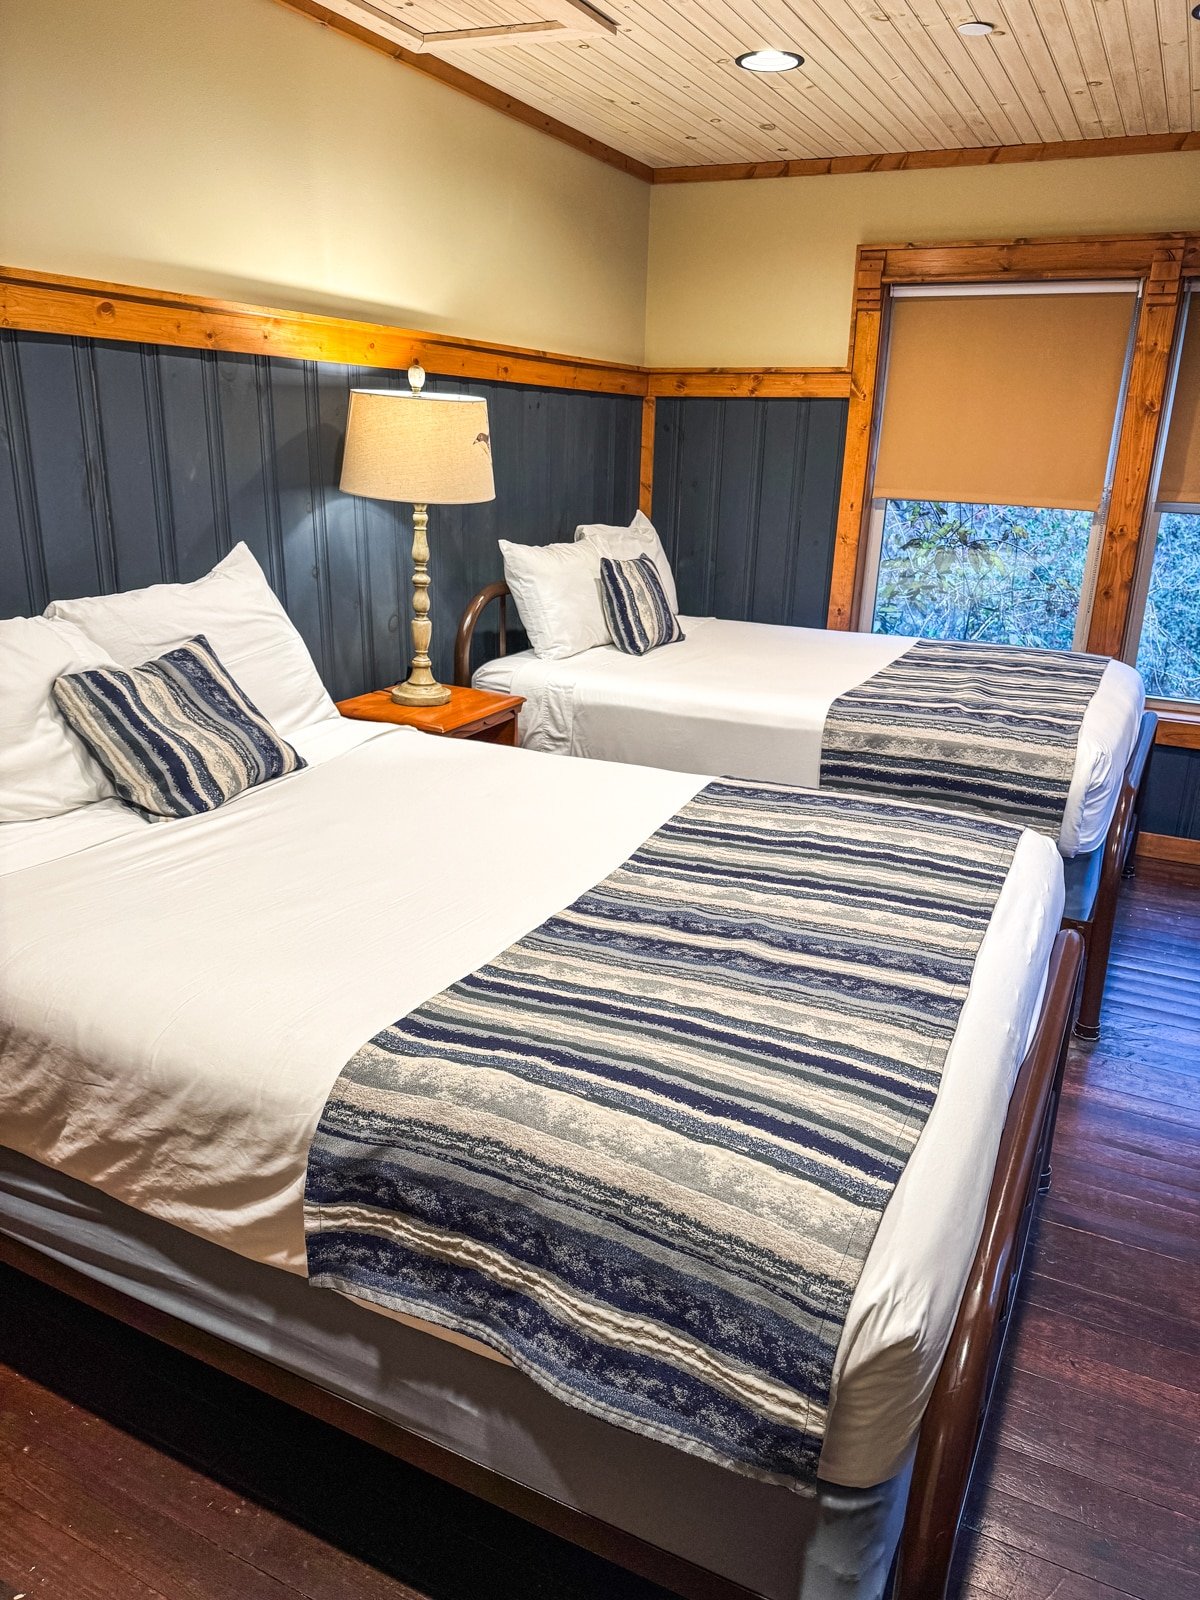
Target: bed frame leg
{"x": 1095, "y": 971}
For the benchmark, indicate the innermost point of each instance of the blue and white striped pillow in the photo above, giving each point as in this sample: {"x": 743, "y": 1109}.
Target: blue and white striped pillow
{"x": 177, "y": 736}
{"x": 636, "y": 608}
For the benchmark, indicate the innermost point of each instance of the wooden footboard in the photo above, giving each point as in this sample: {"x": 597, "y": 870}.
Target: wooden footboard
{"x": 1119, "y": 845}
{"x": 469, "y": 621}
{"x": 953, "y": 1422}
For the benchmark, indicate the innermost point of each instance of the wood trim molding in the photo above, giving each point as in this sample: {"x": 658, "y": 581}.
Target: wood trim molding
{"x": 646, "y": 458}
{"x": 866, "y": 347}
{"x": 47, "y": 303}
{"x": 44, "y": 302}
{"x": 998, "y": 155}
{"x": 454, "y": 78}
{"x": 1137, "y": 441}
{"x": 1072, "y": 256}
{"x": 767, "y": 383}
{"x": 1179, "y": 729}
{"x": 1166, "y": 847}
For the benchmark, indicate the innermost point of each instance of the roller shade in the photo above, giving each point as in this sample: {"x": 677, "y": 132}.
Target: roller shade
{"x": 1005, "y": 399}
{"x": 1179, "y": 483}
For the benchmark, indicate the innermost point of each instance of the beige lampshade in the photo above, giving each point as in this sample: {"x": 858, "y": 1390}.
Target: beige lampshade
{"x": 427, "y": 449}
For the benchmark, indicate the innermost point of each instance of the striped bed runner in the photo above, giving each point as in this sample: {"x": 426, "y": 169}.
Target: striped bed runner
{"x": 644, "y": 1151}
{"x": 966, "y": 725}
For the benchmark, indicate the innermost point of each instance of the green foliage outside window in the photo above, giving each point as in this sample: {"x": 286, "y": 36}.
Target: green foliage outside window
{"x": 1000, "y": 574}
{"x": 1169, "y": 653}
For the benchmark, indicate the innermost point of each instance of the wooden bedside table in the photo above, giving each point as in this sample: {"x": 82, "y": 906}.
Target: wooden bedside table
{"x": 468, "y": 714}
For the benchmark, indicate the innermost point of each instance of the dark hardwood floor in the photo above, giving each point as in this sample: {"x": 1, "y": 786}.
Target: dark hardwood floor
{"x": 128, "y": 1472}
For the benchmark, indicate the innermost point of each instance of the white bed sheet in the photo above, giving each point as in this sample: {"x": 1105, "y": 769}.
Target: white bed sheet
{"x": 177, "y": 999}
{"x": 750, "y": 699}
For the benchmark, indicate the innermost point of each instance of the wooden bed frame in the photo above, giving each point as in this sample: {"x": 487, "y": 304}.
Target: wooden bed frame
{"x": 953, "y": 1423}
{"x": 1092, "y": 886}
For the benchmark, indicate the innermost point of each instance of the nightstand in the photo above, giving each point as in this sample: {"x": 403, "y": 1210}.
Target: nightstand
{"x": 468, "y": 714}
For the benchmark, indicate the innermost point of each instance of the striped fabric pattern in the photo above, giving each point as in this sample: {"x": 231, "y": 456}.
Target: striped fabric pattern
{"x": 177, "y": 736}
{"x": 636, "y": 608}
{"x": 976, "y": 726}
{"x": 645, "y": 1150}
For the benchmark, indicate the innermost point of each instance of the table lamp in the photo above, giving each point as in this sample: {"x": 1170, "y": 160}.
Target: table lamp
{"x": 427, "y": 449}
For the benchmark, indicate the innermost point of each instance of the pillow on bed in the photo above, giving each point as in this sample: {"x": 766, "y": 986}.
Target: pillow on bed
{"x": 640, "y": 538}
{"x": 45, "y": 770}
{"x": 635, "y": 605}
{"x": 177, "y": 735}
{"x": 235, "y": 608}
{"x": 557, "y": 590}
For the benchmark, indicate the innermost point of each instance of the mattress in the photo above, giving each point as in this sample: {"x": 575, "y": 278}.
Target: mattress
{"x": 177, "y": 999}
{"x": 749, "y": 699}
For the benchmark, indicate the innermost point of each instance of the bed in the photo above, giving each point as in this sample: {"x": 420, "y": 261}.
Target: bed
{"x": 179, "y": 999}
{"x": 753, "y": 699}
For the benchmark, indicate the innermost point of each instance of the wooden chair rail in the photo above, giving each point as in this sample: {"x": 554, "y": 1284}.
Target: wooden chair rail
{"x": 469, "y": 621}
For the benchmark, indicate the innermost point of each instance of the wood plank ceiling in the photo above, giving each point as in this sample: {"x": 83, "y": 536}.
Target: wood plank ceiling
{"x": 656, "y": 79}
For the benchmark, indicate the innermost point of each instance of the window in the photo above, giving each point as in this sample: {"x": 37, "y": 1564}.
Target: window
{"x": 995, "y": 448}
{"x": 1168, "y": 655}
{"x": 999, "y": 574}
{"x": 1168, "y": 639}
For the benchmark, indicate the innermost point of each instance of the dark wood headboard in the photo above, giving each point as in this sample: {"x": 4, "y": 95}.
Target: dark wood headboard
{"x": 467, "y": 624}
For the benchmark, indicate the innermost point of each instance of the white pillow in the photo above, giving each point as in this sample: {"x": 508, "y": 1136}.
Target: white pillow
{"x": 640, "y": 538}
{"x": 557, "y": 590}
{"x": 45, "y": 770}
{"x": 236, "y": 610}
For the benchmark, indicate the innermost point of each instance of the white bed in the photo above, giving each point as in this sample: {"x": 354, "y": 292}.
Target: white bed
{"x": 750, "y": 699}
{"x": 176, "y": 1001}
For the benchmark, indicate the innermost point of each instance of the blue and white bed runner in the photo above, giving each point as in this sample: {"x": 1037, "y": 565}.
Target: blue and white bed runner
{"x": 644, "y": 1151}
{"x": 979, "y": 726}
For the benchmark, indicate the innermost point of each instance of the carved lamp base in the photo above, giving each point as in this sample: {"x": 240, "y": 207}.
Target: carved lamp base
{"x": 420, "y": 694}
{"x": 421, "y": 688}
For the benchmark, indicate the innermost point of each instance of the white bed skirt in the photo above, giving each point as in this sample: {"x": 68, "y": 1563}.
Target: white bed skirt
{"x": 836, "y": 1547}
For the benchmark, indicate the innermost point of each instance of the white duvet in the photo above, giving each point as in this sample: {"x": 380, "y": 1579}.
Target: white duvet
{"x": 750, "y": 699}
{"x": 177, "y": 999}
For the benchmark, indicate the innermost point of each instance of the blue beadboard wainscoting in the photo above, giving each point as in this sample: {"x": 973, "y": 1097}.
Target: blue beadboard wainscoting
{"x": 124, "y": 464}
{"x": 746, "y": 500}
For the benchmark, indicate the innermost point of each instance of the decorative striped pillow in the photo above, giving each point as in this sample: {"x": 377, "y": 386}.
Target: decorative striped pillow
{"x": 177, "y": 736}
{"x": 635, "y": 605}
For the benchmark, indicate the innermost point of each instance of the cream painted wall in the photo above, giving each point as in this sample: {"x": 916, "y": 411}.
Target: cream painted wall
{"x": 760, "y": 273}
{"x": 231, "y": 148}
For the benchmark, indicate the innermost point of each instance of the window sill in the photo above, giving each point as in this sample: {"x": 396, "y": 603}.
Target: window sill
{"x": 1180, "y": 729}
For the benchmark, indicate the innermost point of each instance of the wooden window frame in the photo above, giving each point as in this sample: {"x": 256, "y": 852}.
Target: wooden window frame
{"x": 1160, "y": 262}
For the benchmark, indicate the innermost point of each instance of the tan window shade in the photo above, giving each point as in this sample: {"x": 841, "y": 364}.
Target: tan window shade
{"x": 1179, "y": 483}
{"x": 1002, "y": 399}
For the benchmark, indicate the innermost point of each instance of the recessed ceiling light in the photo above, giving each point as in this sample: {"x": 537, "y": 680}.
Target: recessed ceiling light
{"x": 770, "y": 60}
{"x": 976, "y": 30}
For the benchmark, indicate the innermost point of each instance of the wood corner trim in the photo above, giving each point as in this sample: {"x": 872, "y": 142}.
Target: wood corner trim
{"x": 646, "y": 458}
{"x": 455, "y": 78}
{"x": 924, "y": 160}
